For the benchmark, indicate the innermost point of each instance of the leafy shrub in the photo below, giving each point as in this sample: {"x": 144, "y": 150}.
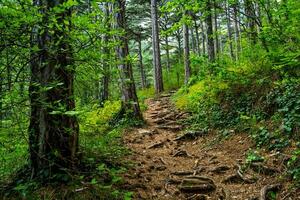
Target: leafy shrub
{"x": 96, "y": 119}
{"x": 250, "y": 96}
{"x": 294, "y": 165}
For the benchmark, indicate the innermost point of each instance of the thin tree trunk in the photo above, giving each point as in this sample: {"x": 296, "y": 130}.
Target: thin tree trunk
{"x": 229, "y": 30}
{"x": 130, "y": 102}
{"x": 237, "y": 30}
{"x": 142, "y": 71}
{"x": 203, "y": 37}
{"x": 158, "y": 79}
{"x": 194, "y": 46}
{"x": 168, "y": 53}
{"x": 209, "y": 30}
{"x": 53, "y": 128}
{"x": 216, "y": 34}
{"x": 178, "y": 37}
{"x": 187, "y": 68}
{"x": 104, "y": 82}
{"x": 197, "y": 37}
{"x": 250, "y": 21}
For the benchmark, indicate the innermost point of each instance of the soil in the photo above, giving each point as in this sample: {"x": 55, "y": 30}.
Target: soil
{"x": 170, "y": 166}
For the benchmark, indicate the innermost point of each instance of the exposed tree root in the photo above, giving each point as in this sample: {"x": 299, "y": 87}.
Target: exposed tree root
{"x": 268, "y": 188}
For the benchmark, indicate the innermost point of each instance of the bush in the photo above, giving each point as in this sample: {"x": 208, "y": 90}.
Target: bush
{"x": 96, "y": 119}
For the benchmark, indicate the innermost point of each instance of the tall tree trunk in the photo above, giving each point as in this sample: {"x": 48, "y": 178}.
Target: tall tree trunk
{"x": 129, "y": 98}
{"x": 168, "y": 53}
{"x": 158, "y": 79}
{"x": 178, "y": 37}
{"x": 142, "y": 70}
{"x": 250, "y": 21}
{"x": 209, "y": 30}
{"x": 187, "y": 67}
{"x": 197, "y": 36}
{"x": 203, "y": 37}
{"x": 229, "y": 30}
{"x": 53, "y": 129}
{"x": 216, "y": 34}
{"x": 194, "y": 46}
{"x": 104, "y": 81}
{"x": 237, "y": 29}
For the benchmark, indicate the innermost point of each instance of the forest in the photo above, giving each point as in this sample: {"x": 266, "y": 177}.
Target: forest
{"x": 150, "y": 99}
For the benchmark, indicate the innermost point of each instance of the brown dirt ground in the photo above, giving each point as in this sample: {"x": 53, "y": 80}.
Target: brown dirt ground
{"x": 152, "y": 175}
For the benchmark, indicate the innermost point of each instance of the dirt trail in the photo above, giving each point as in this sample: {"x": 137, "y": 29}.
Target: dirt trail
{"x": 172, "y": 164}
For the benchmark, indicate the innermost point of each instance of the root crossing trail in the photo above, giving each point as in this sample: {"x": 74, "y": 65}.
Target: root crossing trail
{"x": 172, "y": 164}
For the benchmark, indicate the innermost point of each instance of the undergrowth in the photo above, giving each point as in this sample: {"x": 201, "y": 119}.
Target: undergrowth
{"x": 98, "y": 175}
{"x": 257, "y": 95}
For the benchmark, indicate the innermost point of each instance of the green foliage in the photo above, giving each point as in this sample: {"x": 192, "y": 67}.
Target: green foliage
{"x": 173, "y": 78}
{"x": 95, "y": 119}
{"x": 253, "y": 156}
{"x": 294, "y": 165}
{"x": 144, "y": 94}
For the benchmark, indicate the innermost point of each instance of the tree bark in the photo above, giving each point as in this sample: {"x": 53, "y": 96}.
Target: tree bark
{"x": 142, "y": 70}
{"x": 229, "y": 29}
{"x": 209, "y": 30}
{"x": 168, "y": 53}
{"x": 187, "y": 68}
{"x": 193, "y": 40}
{"x": 53, "y": 129}
{"x": 237, "y": 29}
{"x": 197, "y": 37}
{"x": 104, "y": 81}
{"x": 130, "y": 102}
{"x": 250, "y": 21}
{"x": 158, "y": 79}
{"x": 216, "y": 34}
{"x": 178, "y": 37}
{"x": 203, "y": 37}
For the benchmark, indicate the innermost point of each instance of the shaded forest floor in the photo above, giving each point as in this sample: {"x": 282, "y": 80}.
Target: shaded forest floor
{"x": 170, "y": 163}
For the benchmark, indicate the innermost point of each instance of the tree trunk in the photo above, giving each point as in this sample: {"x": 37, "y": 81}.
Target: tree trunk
{"x": 168, "y": 53}
{"x": 158, "y": 79}
{"x": 237, "y": 29}
{"x": 210, "y": 35}
{"x": 216, "y": 34}
{"x": 130, "y": 102}
{"x": 197, "y": 37}
{"x": 229, "y": 30}
{"x": 142, "y": 71}
{"x": 193, "y": 40}
{"x": 203, "y": 37}
{"x": 104, "y": 81}
{"x": 53, "y": 128}
{"x": 178, "y": 37}
{"x": 187, "y": 68}
{"x": 250, "y": 21}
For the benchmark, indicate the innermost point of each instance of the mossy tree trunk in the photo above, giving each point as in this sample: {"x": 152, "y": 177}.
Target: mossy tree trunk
{"x": 53, "y": 128}
{"x": 130, "y": 101}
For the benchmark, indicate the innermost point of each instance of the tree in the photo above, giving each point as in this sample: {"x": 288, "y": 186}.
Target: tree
{"x": 158, "y": 79}
{"x": 187, "y": 67}
{"x": 229, "y": 29}
{"x": 130, "y": 101}
{"x": 104, "y": 81}
{"x": 209, "y": 30}
{"x": 141, "y": 64}
{"x": 53, "y": 129}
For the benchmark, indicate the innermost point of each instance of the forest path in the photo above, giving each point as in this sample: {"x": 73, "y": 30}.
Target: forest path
{"x": 172, "y": 164}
